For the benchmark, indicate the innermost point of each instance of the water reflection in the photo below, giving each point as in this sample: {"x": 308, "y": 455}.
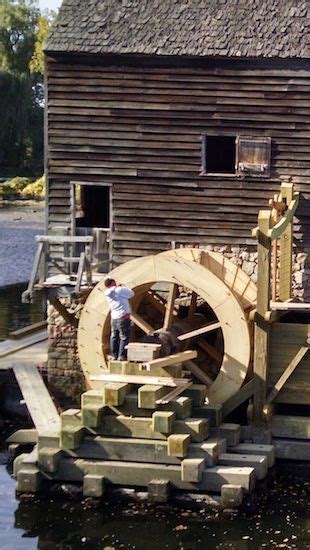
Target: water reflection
{"x": 14, "y": 314}
{"x": 72, "y": 525}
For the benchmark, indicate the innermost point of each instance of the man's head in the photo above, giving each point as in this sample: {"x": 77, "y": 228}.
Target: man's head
{"x": 109, "y": 282}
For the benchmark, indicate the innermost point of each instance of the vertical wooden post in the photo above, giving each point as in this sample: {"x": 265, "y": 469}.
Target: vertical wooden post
{"x": 262, "y": 326}
{"x": 286, "y": 249}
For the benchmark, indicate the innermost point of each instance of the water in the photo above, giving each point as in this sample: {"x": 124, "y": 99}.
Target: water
{"x": 14, "y": 314}
{"x": 280, "y": 520}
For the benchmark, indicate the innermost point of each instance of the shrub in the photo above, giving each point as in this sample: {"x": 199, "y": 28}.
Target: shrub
{"x": 14, "y": 186}
{"x": 35, "y": 190}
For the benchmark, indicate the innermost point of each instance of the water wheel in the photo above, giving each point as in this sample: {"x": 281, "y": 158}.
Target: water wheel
{"x": 186, "y": 299}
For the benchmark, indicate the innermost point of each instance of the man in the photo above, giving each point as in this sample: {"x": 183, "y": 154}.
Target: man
{"x": 118, "y": 299}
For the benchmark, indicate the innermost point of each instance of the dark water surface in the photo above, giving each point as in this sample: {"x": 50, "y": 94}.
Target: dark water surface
{"x": 14, "y": 314}
{"x": 282, "y": 522}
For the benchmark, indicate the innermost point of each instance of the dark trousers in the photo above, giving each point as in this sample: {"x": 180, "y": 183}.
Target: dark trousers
{"x": 120, "y": 331}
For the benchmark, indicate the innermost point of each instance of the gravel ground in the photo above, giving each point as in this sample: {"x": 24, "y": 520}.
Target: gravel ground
{"x": 18, "y": 227}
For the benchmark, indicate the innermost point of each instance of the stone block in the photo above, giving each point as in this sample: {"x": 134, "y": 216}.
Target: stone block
{"x": 197, "y": 428}
{"x": 231, "y": 496}
{"x": 48, "y": 439}
{"x": 148, "y": 395}
{"x": 28, "y": 481}
{"x": 71, "y": 419}
{"x": 114, "y": 393}
{"x": 158, "y": 490}
{"x": 192, "y": 469}
{"x": 49, "y": 457}
{"x": 93, "y": 485}
{"x": 162, "y": 421}
{"x": 197, "y": 393}
{"x": 178, "y": 445}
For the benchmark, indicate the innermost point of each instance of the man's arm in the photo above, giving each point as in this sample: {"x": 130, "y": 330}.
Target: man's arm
{"x": 125, "y": 292}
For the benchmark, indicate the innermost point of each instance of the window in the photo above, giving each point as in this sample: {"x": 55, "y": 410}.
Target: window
{"x": 236, "y": 155}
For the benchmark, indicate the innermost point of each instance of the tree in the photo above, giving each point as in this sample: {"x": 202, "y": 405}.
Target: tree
{"x": 18, "y": 27}
{"x": 22, "y": 33}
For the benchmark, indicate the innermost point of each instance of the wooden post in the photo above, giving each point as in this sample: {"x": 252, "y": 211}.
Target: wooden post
{"x": 286, "y": 249}
{"x": 262, "y": 326}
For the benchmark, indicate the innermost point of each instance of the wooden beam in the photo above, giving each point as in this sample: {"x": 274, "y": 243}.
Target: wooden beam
{"x": 210, "y": 350}
{"x": 62, "y": 310}
{"x": 173, "y": 394}
{"x": 203, "y": 330}
{"x": 287, "y": 373}
{"x": 286, "y": 250}
{"x": 239, "y": 397}
{"x": 141, "y": 380}
{"x": 290, "y": 306}
{"x": 262, "y": 327}
{"x": 61, "y": 239}
{"x": 279, "y": 228}
{"x": 170, "y": 306}
{"x": 199, "y": 373}
{"x": 172, "y": 359}
{"x": 192, "y": 305}
{"x": 141, "y": 323}
{"x": 39, "y": 402}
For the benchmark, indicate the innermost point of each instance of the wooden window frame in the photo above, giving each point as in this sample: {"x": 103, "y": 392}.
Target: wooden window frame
{"x": 238, "y": 173}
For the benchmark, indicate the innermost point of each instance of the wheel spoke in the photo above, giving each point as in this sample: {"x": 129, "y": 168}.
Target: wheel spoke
{"x": 170, "y": 306}
{"x": 192, "y": 305}
{"x": 203, "y": 330}
{"x": 141, "y": 323}
{"x": 210, "y": 350}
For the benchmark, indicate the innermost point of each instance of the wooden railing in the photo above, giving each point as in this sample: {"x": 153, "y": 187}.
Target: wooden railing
{"x": 63, "y": 263}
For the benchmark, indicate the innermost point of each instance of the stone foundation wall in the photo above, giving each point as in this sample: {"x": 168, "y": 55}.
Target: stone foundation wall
{"x": 246, "y": 258}
{"x": 65, "y": 376}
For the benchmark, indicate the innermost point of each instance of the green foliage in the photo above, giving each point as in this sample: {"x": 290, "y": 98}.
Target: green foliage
{"x": 35, "y": 190}
{"x": 23, "y": 188}
{"x": 36, "y": 64}
{"x": 22, "y": 33}
{"x": 18, "y": 27}
{"x": 13, "y": 187}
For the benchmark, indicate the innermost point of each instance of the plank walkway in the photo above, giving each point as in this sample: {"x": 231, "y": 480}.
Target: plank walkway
{"x": 39, "y": 402}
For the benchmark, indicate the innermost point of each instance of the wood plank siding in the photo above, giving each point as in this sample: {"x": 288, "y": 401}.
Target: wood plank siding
{"x": 140, "y": 129}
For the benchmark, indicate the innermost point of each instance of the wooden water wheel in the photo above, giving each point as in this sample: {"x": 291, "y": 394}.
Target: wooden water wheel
{"x": 184, "y": 298}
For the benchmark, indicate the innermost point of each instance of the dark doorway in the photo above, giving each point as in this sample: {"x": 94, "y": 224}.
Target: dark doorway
{"x": 92, "y": 206}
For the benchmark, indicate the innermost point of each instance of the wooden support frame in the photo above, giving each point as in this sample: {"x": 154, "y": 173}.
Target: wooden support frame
{"x": 288, "y": 372}
{"x": 262, "y": 307}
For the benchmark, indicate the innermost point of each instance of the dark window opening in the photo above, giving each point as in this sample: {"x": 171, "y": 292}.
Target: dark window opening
{"x": 220, "y": 154}
{"x": 92, "y": 206}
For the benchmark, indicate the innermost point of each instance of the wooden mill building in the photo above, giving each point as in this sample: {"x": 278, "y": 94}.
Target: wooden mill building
{"x": 174, "y": 122}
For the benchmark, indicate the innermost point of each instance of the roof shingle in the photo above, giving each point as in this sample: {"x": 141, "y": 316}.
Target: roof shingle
{"x": 234, "y": 28}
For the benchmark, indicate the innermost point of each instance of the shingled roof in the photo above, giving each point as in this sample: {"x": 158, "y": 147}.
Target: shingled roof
{"x": 234, "y": 28}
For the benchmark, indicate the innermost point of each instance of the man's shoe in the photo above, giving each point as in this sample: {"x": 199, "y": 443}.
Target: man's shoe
{"x": 122, "y": 358}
